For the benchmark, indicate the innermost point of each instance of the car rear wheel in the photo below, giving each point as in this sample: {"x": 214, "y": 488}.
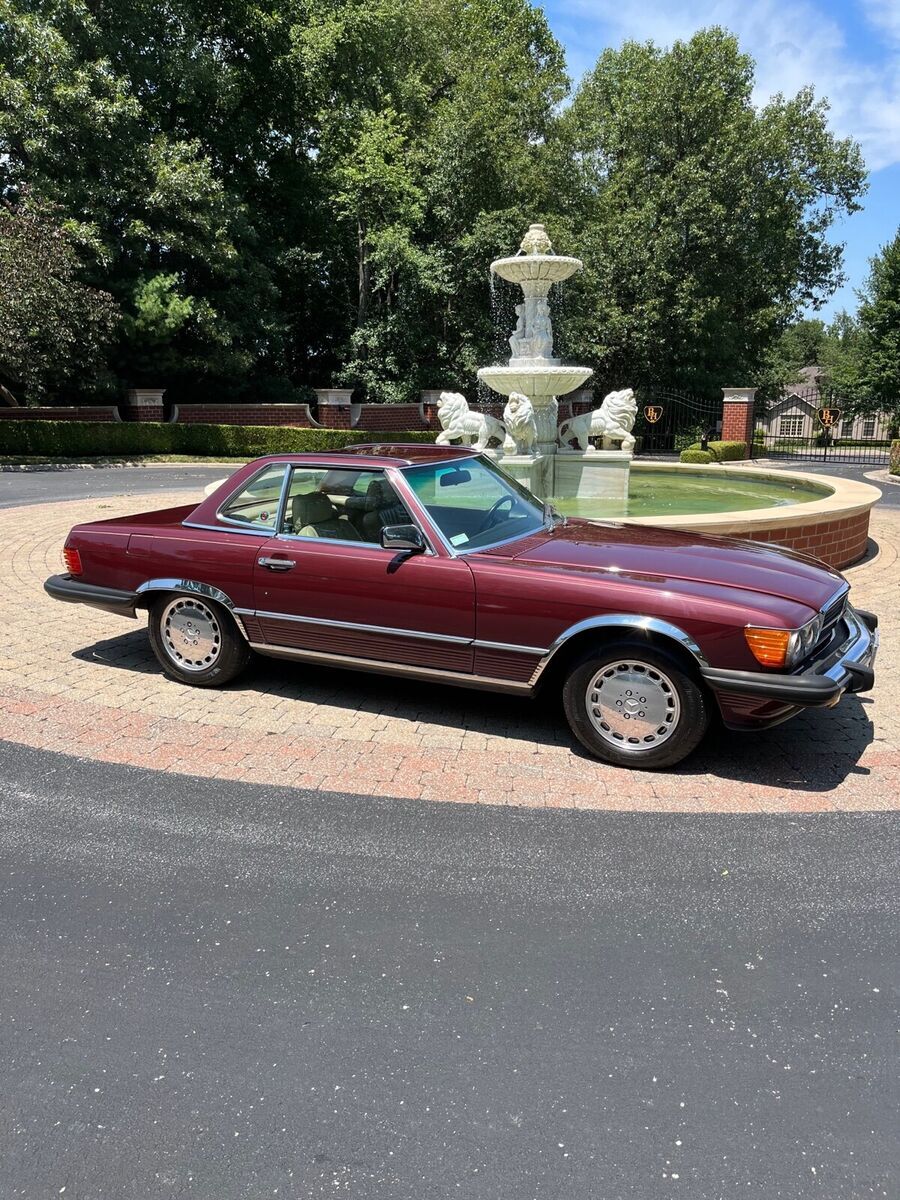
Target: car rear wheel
{"x": 196, "y": 641}
{"x": 635, "y": 705}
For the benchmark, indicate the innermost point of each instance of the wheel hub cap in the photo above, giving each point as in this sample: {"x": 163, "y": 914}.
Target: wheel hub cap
{"x": 191, "y": 634}
{"x": 632, "y": 705}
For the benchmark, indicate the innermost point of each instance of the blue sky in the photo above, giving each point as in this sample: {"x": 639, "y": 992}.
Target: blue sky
{"x": 850, "y": 53}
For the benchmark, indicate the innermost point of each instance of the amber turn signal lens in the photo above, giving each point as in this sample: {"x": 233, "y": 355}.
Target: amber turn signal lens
{"x": 769, "y": 646}
{"x": 72, "y": 559}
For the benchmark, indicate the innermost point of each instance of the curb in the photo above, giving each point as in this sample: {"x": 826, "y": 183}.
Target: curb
{"x": 884, "y": 477}
{"x": 24, "y": 468}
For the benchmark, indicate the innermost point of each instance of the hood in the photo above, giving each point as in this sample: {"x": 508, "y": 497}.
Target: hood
{"x": 665, "y": 556}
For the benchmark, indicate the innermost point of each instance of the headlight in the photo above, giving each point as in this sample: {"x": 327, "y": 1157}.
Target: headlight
{"x": 783, "y": 647}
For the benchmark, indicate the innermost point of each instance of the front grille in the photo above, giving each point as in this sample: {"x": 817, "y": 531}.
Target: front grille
{"x": 835, "y": 609}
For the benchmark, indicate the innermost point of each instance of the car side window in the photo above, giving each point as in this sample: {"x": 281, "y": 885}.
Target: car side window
{"x": 341, "y": 504}
{"x": 256, "y": 504}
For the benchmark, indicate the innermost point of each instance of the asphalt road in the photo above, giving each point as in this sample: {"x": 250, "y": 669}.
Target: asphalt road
{"x": 228, "y": 991}
{"x": 39, "y": 487}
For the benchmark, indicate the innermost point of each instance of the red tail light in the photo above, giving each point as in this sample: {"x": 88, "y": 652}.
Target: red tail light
{"x": 72, "y": 559}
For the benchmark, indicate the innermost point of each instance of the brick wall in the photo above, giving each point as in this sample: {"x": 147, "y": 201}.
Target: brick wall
{"x": 839, "y": 542}
{"x": 391, "y": 417}
{"x": 367, "y": 418}
{"x": 68, "y": 413}
{"x": 244, "y": 414}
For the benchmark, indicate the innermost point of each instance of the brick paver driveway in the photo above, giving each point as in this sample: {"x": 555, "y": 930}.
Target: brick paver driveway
{"x": 79, "y": 681}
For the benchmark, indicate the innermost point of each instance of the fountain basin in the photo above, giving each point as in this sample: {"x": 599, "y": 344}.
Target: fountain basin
{"x": 825, "y": 518}
{"x": 535, "y": 381}
{"x": 530, "y": 268}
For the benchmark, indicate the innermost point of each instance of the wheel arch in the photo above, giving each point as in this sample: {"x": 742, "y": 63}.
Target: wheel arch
{"x": 150, "y": 591}
{"x": 598, "y": 631}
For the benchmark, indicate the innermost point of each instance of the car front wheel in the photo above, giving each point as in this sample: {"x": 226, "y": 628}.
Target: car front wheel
{"x": 635, "y": 706}
{"x": 196, "y": 641}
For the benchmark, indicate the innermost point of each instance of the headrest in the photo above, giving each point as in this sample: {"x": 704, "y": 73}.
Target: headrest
{"x": 379, "y": 494}
{"x": 310, "y": 508}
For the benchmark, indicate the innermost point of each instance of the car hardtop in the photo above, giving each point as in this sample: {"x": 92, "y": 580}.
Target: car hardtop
{"x": 367, "y": 455}
{"x": 372, "y": 456}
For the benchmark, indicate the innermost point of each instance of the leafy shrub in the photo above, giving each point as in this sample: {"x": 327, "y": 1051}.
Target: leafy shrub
{"x": 695, "y": 456}
{"x": 87, "y": 439}
{"x": 688, "y": 437}
{"x": 895, "y": 458}
{"x": 723, "y": 451}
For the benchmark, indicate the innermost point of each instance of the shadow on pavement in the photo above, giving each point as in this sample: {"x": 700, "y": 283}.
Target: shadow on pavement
{"x": 815, "y": 751}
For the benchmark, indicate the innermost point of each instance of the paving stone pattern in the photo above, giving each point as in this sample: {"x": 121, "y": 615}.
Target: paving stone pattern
{"x": 85, "y": 683}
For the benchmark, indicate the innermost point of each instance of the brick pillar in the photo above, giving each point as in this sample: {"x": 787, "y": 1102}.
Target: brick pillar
{"x": 737, "y": 416}
{"x": 335, "y": 409}
{"x": 144, "y": 404}
{"x": 429, "y": 399}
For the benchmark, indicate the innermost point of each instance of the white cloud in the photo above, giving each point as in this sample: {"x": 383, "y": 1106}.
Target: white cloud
{"x": 794, "y": 43}
{"x": 885, "y": 15}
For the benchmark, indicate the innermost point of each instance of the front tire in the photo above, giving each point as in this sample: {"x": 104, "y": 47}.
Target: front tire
{"x": 196, "y": 641}
{"x": 635, "y": 705}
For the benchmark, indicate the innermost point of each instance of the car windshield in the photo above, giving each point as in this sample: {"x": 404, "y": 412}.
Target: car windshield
{"x": 475, "y": 504}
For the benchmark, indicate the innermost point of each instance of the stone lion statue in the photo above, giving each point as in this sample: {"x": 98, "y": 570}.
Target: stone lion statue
{"x": 613, "y": 421}
{"x": 521, "y": 429}
{"x": 460, "y": 424}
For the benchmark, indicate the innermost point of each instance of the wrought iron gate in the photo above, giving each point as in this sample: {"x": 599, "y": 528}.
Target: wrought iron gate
{"x": 668, "y": 422}
{"x": 819, "y": 425}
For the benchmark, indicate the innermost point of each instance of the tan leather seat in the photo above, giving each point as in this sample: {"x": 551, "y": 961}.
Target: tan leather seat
{"x": 382, "y": 507}
{"x": 314, "y": 515}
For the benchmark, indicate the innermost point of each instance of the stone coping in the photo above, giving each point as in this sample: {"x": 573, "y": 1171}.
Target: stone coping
{"x": 845, "y": 498}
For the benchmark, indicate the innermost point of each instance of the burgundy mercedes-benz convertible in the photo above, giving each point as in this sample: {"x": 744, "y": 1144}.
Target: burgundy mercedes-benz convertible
{"x": 431, "y": 562}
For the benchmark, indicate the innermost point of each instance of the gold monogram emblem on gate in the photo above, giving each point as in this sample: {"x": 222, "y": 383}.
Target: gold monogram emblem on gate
{"x": 653, "y": 412}
{"x": 828, "y": 417}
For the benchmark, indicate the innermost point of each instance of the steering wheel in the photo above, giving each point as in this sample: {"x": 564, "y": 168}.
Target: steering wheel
{"x": 492, "y": 517}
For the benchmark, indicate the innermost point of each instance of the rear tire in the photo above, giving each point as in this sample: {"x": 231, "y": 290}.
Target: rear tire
{"x": 196, "y": 641}
{"x": 635, "y": 705}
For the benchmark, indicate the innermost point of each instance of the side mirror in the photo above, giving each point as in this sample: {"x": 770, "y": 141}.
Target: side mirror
{"x": 403, "y": 537}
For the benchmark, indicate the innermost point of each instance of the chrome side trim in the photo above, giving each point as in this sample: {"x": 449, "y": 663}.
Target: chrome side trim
{"x": 200, "y": 589}
{"x": 331, "y": 624}
{"x": 508, "y": 646}
{"x": 622, "y": 621}
{"x": 453, "y": 678}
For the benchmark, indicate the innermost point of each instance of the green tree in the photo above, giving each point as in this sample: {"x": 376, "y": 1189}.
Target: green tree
{"x": 878, "y": 346}
{"x": 704, "y": 218}
{"x": 54, "y": 330}
{"x": 800, "y": 345}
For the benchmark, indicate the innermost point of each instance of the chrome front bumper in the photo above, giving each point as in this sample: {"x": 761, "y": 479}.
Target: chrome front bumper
{"x": 847, "y": 668}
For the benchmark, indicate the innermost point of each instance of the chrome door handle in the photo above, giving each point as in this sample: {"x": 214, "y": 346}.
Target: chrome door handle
{"x": 277, "y": 564}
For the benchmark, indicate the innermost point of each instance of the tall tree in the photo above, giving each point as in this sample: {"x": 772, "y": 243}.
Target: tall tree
{"x": 54, "y": 330}
{"x": 704, "y": 218}
{"x": 878, "y": 351}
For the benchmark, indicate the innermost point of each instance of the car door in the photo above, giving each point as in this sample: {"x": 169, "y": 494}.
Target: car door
{"x": 325, "y": 584}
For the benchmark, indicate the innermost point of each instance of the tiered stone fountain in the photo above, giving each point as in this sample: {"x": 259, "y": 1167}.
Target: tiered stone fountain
{"x": 532, "y": 371}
